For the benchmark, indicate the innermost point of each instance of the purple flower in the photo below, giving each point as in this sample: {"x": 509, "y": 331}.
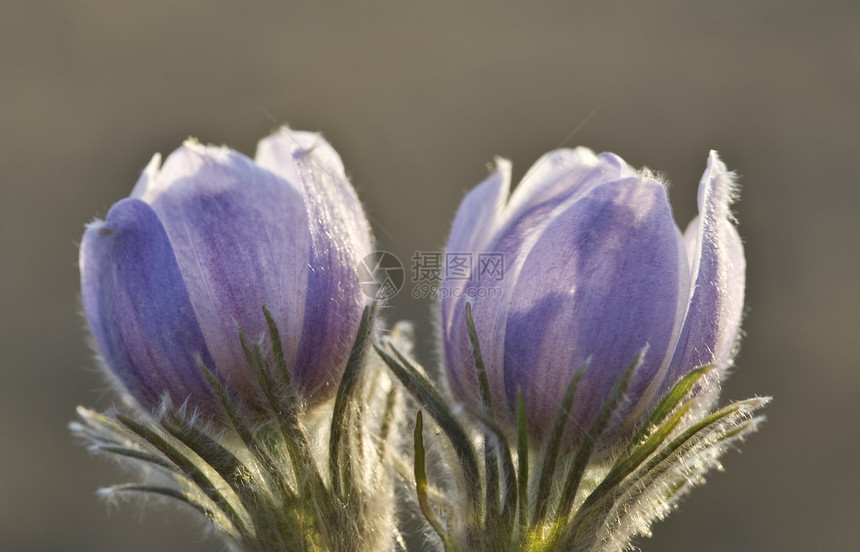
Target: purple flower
{"x": 595, "y": 271}
{"x": 203, "y": 243}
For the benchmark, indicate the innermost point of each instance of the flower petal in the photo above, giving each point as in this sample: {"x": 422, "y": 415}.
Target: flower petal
{"x": 147, "y": 177}
{"x": 340, "y": 239}
{"x": 562, "y": 176}
{"x": 602, "y": 282}
{"x": 559, "y": 179}
{"x": 138, "y": 307}
{"x": 481, "y": 211}
{"x": 478, "y": 219}
{"x": 718, "y": 269}
{"x": 554, "y": 182}
{"x": 241, "y": 239}
{"x": 310, "y": 163}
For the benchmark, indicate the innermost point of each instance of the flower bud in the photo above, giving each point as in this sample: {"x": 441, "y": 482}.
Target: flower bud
{"x": 204, "y": 242}
{"x": 595, "y": 272}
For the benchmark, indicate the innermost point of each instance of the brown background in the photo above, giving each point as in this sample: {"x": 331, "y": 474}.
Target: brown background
{"x": 418, "y": 97}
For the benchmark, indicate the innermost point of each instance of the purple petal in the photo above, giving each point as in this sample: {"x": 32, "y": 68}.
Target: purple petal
{"x": 340, "y": 239}
{"x": 481, "y": 212}
{"x": 602, "y": 281}
{"x": 734, "y": 298}
{"x": 558, "y": 180}
{"x": 562, "y": 176}
{"x": 138, "y": 308}
{"x": 718, "y": 269}
{"x": 241, "y": 239}
{"x": 554, "y": 182}
{"x": 147, "y": 177}
{"x": 478, "y": 219}
{"x": 310, "y": 163}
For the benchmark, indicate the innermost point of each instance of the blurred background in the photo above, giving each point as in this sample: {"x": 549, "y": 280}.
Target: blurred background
{"x": 418, "y": 97}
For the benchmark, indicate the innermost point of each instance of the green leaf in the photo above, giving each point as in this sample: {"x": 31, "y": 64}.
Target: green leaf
{"x": 483, "y": 382}
{"x": 340, "y": 463}
{"x": 421, "y": 486}
{"x": 283, "y": 407}
{"x": 491, "y": 463}
{"x": 189, "y": 468}
{"x": 500, "y": 533}
{"x": 670, "y": 402}
{"x": 256, "y": 447}
{"x": 175, "y": 494}
{"x": 580, "y": 461}
{"x": 551, "y": 451}
{"x": 420, "y": 387}
{"x": 522, "y": 462}
{"x": 139, "y": 455}
{"x": 387, "y": 421}
{"x": 700, "y": 436}
{"x": 598, "y": 504}
{"x": 638, "y": 450}
{"x": 626, "y": 464}
{"x": 290, "y": 395}
{"x": 210, "y": 451}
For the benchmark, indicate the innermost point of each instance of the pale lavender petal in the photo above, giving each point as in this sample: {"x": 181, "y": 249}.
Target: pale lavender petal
{"x": 482, "y": 210}
{"x": 478, "y": 219}
{"x": 138, "y": 308}
{"x": 459, "y": 363}
{"x": 310, "y": 163}
{"x": 595, "y": 272}
{"x": 736, "y": 282}
{"x": 340, "y": 239}
{"x": 552, "y": 184}
{"x": 602, "y": 281}
{"x": 489, "y": 301}
{"x": 147, "y": 177}
{"x": 562, "y": 176}
{"x": 717, "y": 286}
{"x": 241, "y": 239}
{"x": 559, "y": 179}
{"x": 734, "y": 299}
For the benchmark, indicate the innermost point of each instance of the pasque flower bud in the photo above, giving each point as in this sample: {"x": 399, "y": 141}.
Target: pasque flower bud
{"x": 595, "y": 272}
{"x": 203, "y": 243}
